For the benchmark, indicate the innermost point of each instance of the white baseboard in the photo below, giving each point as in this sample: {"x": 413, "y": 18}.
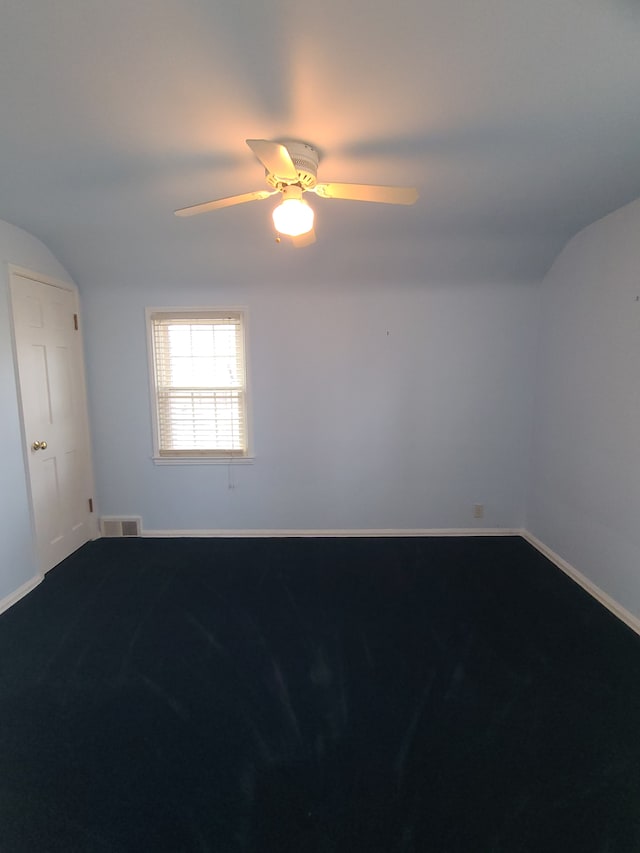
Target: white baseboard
{"x": 19, "y": 593}
{"x": 334, "y": 534}
{"x": 610, "y": 603}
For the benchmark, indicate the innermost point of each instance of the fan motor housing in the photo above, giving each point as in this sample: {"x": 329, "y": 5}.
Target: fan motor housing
{"x": 305, "y": 159}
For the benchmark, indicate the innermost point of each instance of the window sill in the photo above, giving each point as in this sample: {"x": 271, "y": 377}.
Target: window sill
{"x": 203, "y": 460}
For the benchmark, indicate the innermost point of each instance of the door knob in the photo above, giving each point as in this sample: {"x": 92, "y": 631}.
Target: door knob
{"x": 39, "y": 445}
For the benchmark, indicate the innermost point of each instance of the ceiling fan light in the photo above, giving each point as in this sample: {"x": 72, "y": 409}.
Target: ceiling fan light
{"x": 293, "y": 216}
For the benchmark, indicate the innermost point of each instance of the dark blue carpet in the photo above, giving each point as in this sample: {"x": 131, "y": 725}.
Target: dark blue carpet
{"x": 317, "y": 696}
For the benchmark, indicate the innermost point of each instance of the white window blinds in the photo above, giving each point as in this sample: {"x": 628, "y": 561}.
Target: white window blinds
{"x": 200, "y": 385}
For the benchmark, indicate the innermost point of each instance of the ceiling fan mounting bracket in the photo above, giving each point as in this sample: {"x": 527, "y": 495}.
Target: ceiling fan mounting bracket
{"x": 305, "y": 159}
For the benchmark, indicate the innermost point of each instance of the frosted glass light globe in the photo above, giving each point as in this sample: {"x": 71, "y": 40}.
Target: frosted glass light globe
{"x": 293, "y": 216}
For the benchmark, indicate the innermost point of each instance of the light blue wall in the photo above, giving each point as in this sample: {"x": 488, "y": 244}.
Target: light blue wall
{"x": 385, "y": 404}
{"x": 17, "y": 559}
{"x": 374, "y": 405}
{"x": 584, "y": 496}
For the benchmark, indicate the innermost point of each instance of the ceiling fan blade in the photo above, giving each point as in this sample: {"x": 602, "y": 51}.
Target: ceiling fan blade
{"x": 274, "y": 157}
{"x": 304, "y": 239}
{"x": 367, "y": 192}
{"x": 224, "y": 202}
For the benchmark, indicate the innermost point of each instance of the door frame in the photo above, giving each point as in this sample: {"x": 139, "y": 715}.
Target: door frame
{"x": 16, "y": 271}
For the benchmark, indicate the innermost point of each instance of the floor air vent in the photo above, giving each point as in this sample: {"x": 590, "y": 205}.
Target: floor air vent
{"x": 116, "y": 528}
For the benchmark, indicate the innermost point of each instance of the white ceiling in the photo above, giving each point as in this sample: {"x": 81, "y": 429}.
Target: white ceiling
{"x": 519, "y": 122}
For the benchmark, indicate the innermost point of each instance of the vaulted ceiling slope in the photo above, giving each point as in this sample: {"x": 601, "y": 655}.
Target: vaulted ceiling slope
{"x": 518, "y": 121}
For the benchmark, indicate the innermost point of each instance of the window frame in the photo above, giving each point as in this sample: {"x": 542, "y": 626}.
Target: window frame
{"x": 204, "y": 313}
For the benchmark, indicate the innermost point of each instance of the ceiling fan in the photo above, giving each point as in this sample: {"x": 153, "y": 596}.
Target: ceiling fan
{"x": 291, "y": 170}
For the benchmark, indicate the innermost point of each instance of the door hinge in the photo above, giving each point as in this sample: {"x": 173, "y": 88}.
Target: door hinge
{"x": 90, "y": 504}
{"x": 75, "y": 322}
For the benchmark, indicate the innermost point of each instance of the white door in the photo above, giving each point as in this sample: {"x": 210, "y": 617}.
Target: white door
{"x": 54, "y": 413}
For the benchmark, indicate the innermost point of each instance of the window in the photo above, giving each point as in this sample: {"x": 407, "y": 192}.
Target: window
{"x": 199, "y": 384}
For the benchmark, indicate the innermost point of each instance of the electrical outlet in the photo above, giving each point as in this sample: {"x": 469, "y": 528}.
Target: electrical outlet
{"x": 478, "y": 510}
